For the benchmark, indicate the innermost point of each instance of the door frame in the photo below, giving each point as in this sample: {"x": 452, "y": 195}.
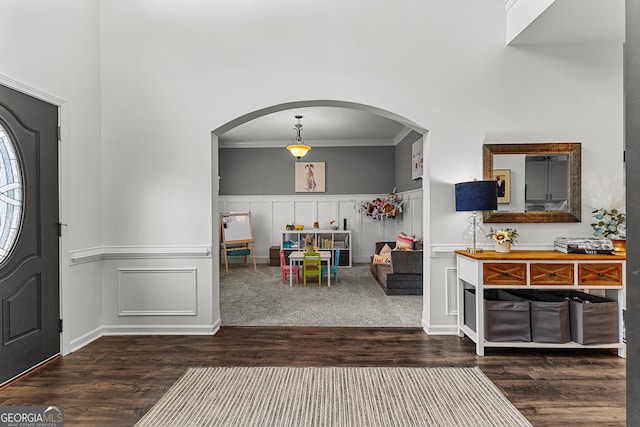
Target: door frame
{"x": 64, "y": 259}
{"x": 215, "y": 189}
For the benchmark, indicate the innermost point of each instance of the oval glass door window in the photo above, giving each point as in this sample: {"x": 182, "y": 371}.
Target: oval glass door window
{"x": 11, "y": 197}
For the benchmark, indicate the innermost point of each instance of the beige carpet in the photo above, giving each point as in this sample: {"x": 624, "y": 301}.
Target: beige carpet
{"x": 295, "y": 397}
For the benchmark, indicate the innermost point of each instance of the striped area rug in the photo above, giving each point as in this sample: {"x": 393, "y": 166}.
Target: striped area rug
{"x": 287, "y": 396}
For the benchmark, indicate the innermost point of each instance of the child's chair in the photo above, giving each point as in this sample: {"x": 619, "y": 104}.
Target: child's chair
{"x": 287, "y": 269}
{"x": 311, "y": 266}
{"x": 334, "y": 267}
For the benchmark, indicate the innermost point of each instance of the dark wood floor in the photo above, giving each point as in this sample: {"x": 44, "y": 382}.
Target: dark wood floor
{"x": 116, "y": 380}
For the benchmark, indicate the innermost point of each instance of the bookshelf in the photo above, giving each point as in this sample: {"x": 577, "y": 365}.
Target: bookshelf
{"x": 325, "y": 240}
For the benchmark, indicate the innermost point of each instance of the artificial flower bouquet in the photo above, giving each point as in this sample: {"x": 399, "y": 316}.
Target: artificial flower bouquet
{"x": 506, "y": 235}
{"x": 610, "y": 224}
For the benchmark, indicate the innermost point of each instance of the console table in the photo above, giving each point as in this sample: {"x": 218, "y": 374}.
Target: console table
{"x": 543, "y": 271}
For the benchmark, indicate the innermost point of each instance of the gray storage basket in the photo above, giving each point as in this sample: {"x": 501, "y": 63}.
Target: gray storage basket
{"x": 550, "y": 321}
{"x": 595, "y": 322}
{"x": 506, "y": 317}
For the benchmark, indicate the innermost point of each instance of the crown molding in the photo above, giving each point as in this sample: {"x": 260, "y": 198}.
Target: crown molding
{"x": 311, "y": 143}
{"x": 401, "y": 135}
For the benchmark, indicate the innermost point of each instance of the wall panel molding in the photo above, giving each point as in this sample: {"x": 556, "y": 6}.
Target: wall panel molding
{"x": 157, "y": 291}
{"x": 451, "y": 290}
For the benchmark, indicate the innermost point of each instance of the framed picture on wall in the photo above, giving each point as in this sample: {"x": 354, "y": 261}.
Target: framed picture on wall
{"x": 416, "y": 160}
{"x": 309, "y": 177}
{"x": 503, "y": 179}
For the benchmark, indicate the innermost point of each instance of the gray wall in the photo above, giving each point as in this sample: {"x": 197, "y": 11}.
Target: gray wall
{"x": 632, "y": 142}
{"x": 270, "y": 171}
{"x": 404, "y": 182}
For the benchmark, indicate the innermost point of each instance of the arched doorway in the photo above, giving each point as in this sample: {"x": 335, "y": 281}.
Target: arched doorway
{"x": 222, "y": 130}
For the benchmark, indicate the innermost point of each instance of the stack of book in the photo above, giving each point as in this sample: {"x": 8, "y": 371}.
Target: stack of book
{"x": 340, "y": 244}
{"x": 583, "y": 245}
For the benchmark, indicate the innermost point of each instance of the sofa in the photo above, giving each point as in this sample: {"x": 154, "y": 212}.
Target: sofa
{"x": 403, "y": 275}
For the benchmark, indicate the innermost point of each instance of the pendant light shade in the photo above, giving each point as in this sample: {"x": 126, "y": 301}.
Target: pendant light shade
{"x": 298, "y": 149}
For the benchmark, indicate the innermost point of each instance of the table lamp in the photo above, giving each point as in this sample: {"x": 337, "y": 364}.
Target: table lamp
{"x": 476, "y": 196}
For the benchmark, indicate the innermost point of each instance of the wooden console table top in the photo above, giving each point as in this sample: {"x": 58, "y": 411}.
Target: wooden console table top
{"x": 537, "y": 255}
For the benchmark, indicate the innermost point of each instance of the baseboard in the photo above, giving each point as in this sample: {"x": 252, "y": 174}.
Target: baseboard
{"x": 114, "y": 330}
{"x": 83, "y": 340}
{"x": 439, "y": 329}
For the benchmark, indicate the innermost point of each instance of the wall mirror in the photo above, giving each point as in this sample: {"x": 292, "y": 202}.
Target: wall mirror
{"x": 536, "y": 182}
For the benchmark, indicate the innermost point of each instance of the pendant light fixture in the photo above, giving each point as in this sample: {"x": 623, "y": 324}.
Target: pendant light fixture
{"x": 298, "y": 149}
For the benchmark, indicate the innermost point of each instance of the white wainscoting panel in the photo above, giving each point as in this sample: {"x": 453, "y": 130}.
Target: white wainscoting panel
{"x": 327, "y": 211}
{"x": 260, "y": 226}
{"x": 451, "y": 289}
{"x": 270, "y": 215}
{"x": 305, "y": 212}
{"x": 280, "y": 221}
{"x": 157, "y": 291}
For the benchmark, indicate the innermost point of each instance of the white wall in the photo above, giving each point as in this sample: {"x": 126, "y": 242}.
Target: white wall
{"x": 51, "y": 50}
{"x": 173, "y": 72}
{"x": 187, "y": 70}
{"x": 170, "y": 72}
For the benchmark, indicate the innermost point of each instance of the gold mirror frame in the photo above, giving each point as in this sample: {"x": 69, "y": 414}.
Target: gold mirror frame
{"x": 572, "y": 149}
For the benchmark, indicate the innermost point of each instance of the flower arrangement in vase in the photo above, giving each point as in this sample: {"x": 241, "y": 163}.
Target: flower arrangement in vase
{"x": 308, "y": 243}
{"x": 503, "y": 239}
{"x": 607, "y": 201}
{"x": 611, "y": 225}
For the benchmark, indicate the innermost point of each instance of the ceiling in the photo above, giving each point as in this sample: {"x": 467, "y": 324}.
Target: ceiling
{"x": 321, "y": 126}
{"x": 576, "y": 21}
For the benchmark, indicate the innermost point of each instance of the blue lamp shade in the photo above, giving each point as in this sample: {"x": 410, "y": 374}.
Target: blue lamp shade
{"x": 477, "y": 196}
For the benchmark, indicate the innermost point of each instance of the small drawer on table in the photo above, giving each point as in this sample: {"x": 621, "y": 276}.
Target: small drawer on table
{"x": 502, "y": 273}
{"x": 605, "y": 274}
{"x": 551, "y": 274}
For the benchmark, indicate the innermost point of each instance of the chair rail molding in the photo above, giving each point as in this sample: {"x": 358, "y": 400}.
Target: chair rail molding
{"x": 138, "y": 252}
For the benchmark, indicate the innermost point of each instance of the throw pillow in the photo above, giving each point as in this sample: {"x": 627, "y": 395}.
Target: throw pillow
{"x": 386, "y": 250}
{"x": 382, "y": 260}
{"x": 405, "y": 242}
{"x": 384, "y": 257}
